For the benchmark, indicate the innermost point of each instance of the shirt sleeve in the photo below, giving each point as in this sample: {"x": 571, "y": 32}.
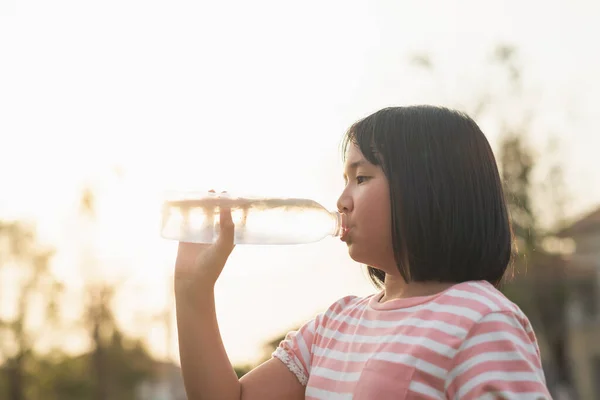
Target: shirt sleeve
{"x": 295, "y": 350}
{"x": 499, "y": 359}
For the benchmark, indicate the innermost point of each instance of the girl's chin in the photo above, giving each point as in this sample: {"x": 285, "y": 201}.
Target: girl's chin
{"x": 356, "y": 254}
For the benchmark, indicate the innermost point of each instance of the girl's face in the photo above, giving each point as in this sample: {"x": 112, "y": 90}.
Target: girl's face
{"x": 365, "y": 205}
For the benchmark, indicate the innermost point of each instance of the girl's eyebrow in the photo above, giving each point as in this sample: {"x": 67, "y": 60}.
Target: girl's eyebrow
{"x": 356, "y": 164}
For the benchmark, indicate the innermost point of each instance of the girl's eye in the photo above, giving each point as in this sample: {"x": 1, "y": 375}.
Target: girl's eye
{"x": 361, "y": 179}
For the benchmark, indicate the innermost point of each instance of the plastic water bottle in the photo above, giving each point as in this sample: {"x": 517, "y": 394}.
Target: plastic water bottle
{"x": 194, "y": 217}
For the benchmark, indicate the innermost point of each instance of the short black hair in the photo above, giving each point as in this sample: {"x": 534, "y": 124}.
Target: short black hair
{"x": 450, "y": 221}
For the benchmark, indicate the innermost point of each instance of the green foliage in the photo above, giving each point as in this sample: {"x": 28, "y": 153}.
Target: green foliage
{"x": 26, "y": 374}
{"x": 59, "y": 376}
{"x": 32, "y": 290}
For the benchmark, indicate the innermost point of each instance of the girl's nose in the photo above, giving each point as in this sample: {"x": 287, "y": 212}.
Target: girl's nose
{"x": 344, "y": 203}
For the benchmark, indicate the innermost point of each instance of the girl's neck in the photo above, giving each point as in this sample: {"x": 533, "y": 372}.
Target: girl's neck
{"x": 396, "y": 288}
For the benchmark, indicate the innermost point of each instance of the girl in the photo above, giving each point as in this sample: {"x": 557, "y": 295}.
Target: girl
{"x": 422, "y": 207}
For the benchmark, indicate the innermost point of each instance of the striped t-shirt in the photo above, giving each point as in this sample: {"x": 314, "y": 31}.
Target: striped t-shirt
{"x": 467, "y": 342}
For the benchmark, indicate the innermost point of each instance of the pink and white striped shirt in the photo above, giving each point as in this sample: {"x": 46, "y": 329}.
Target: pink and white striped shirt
{"x": 467, "y": 342}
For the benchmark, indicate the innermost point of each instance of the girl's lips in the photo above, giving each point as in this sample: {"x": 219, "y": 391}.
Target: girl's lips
{"x": 344, "y": 228}
{"x": 344, "y": 235}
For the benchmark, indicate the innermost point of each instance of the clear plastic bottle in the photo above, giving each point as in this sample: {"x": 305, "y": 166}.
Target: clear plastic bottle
{"x": 194, "y": 217}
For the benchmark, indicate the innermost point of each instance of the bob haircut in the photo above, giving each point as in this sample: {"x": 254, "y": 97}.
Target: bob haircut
{"x": 449, "y": 216}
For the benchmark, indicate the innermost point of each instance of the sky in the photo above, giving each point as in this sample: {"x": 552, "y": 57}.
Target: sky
{"x": 133, "y": 98}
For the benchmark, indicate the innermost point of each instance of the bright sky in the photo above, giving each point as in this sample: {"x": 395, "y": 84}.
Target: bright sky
{"x": 253, "y": 97}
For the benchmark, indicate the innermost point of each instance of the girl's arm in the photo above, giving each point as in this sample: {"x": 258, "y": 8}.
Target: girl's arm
{"x": 207, "y": 371}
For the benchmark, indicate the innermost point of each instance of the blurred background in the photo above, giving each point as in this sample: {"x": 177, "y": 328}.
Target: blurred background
{"x": 105, "y": 105}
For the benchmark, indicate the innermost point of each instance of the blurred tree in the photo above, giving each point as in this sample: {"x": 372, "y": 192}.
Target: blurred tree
{"x": 115, "y": 365}
{"x": 61, "y": 376}
{"x": 516, "y": 164}
{"x": 111, "y": 362}
{"x": 31, "y": 293}
{"x": 98, "y": 317}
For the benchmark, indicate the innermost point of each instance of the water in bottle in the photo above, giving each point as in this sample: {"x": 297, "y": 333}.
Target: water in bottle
{"x": 194, "y": 217}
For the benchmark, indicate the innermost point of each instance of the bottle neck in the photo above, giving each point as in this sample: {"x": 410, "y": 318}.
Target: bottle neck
{"x": 337, "y": 224}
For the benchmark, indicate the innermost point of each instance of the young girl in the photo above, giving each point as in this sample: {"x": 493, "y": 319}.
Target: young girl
{"x": 423, "y": 207}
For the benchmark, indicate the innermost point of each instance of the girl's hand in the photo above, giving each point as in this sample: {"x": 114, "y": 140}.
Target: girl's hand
{"x": 198, "y": 266}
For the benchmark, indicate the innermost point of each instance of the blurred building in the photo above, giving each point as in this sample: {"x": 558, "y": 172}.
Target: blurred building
{"x": 583, "y": 306}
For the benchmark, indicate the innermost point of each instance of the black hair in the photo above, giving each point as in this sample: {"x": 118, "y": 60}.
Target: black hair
{"x": 450, "y": 221}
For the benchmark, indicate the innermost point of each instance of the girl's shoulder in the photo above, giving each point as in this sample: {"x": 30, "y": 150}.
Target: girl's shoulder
{"x": 481, "y": 295}
{"x": 483, "y": 300}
